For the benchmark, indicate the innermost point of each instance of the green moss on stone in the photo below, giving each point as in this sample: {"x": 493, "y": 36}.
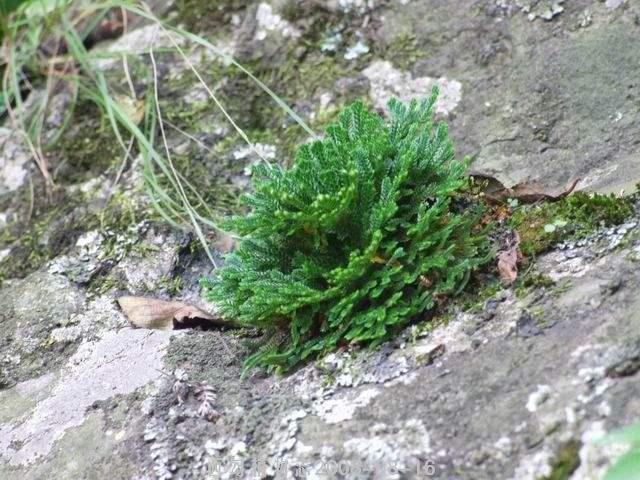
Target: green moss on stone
{"x": 49, "y": 233}
{"x": 208, "y": 16}
{"x": 479, "y": 291}
{"x": 403, "y": 51}
{"x": 542, "y": 225}
{"x": 87, "y": 149}
{"x": 532, "y": 280}
{"x": 566, "y": 462}
{"x": 56, "y": 226}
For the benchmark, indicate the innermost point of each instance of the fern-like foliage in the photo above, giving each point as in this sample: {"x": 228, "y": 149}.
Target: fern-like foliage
{"x": 358, "y": 238}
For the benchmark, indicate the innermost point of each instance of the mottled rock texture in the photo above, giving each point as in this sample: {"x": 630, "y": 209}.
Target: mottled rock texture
{"x": 536, "y": 90}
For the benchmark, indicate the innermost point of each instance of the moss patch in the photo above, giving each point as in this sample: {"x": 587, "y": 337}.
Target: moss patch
{"x": 207, "y": 15}
{"x": 87, "y": 149}
{"x": 480, "y": 290}
{"x": 576, "y": 216}
{"x": 566, "y": 462}
{"x": 55, "y": 227}
{"x": 532, "y": 280}
{"x": 51, "y": 231}
{"x": 403, "y": 51}
{"x": 316, "y": 21}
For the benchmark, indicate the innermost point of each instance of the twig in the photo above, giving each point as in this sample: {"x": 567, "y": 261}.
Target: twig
{"x": 31, "y": 201}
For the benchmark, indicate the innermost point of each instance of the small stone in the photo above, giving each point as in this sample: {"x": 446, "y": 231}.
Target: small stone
{"x": 526, "y": 326}
{"x": 478, "y": 457}
{"x": 489, "y": 310}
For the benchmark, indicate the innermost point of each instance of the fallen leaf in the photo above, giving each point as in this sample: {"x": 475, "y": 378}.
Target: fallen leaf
{"x": 495, "y": 191}
{"x": 132, "y": 108}
{"x": 508, "y": 266}
{"x": 181, "y": 387}
{"x": 509, "y": 258}
{"x": 145, "y": 312}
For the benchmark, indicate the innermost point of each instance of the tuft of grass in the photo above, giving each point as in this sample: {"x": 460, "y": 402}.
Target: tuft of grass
{"x": 66, "y": 24}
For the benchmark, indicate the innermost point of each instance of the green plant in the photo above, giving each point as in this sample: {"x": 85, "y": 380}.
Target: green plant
{"x": 6, "y": 8}
{"x": 627, "y": 467}
{"x": 542, "y": 225}
{"x": 361, "y": 235}
{"x": 566, "y": 461}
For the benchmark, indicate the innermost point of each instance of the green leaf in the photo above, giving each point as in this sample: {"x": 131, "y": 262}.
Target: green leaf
{"x": 630, "y": 434}
{"x": 8, "y": 6}
{"x": 626, "y": 467}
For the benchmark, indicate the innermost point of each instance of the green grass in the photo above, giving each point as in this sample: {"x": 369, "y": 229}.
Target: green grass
{"x": 27, "y": 27}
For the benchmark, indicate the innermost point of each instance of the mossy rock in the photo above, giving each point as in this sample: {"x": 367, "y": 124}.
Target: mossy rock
{"x": 543, "y": 225}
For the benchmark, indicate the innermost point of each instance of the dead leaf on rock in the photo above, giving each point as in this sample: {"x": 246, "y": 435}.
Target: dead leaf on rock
{"x": 509, "y": 258}
{"x": 524, "y": 192}
{"x": 145, "y": 312}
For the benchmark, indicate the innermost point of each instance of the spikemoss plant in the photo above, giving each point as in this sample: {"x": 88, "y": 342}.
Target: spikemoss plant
{"x": 360, "y": 236}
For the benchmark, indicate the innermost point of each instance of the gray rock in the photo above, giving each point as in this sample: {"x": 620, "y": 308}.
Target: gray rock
{"x": 82, "y": 395}
{"x": 527, "y": 326}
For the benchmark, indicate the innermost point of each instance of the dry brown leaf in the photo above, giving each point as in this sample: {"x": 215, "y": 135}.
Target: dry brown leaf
{"x": 508, "y": 266}
{"x": 524, "y": 192}
{"x": 158, "y": 314}
{"x": 509, "y": 258}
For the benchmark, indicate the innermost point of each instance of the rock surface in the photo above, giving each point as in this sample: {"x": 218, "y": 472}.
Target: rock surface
{"x": 536, "y": 90}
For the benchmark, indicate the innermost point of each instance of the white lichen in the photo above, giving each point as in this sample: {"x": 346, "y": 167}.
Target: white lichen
{"x": 268, "y": 21}
{"x": 344, "y": 406}
{"x": 538, "y": 397}
{"x": 387, "y": 81}
{"x": 357, "y": 50}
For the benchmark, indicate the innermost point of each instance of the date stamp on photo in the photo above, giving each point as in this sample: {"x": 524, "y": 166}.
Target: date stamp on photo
{"x": 220, "y": 468}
